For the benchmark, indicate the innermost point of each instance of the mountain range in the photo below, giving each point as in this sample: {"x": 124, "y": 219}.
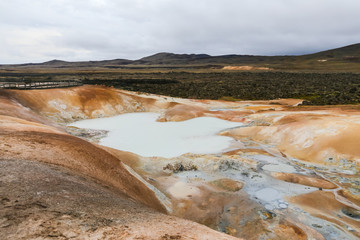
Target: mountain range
{"x": 344, "y": 55}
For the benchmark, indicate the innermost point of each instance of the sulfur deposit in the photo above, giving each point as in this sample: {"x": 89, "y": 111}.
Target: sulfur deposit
{"x": 285, "y": 172}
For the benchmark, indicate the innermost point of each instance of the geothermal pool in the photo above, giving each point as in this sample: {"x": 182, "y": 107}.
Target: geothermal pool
{"x": 140, "y": 133}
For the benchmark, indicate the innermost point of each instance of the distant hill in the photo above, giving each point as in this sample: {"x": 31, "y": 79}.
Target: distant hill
{"x": 334, "y": 59}
{"x": 64, "y": 64}
{"x": 185, "y": 59}
{"x": 173, "y": 57}
{"x": 351, "y": 50}
{"x": 349, "y": 53}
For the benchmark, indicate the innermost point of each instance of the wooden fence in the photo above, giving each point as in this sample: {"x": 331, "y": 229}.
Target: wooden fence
{"x": 40, "y": 85}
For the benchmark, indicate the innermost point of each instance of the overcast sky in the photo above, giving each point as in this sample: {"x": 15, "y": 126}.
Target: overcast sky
{"x": 72, "y": 30}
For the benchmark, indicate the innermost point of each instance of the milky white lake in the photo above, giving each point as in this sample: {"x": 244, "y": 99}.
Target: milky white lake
{"x": 141, "y": 134}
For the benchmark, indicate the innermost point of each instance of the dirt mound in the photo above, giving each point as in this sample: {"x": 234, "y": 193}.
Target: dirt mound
{"x": 324, "y": 205}
{"x": 71, "y": 104}
{"x": 45, "y": 201}
{"x": 245, "y": 68}
{"x": 305, "y": 180}
{"x": 324, "y": 137}
{"x": 79, "y": 155}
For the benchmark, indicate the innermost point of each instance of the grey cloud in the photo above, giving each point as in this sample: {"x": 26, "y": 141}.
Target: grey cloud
{"x": 33, "y": 31}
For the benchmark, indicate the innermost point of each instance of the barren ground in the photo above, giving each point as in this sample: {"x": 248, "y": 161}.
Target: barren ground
{"x": 292, "y": 174}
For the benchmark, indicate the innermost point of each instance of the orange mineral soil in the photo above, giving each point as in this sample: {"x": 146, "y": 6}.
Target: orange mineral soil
{"x": 293, "y": 172}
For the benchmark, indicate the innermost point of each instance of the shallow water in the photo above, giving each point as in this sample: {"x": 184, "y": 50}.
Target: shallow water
{"x": 140, "y": 133}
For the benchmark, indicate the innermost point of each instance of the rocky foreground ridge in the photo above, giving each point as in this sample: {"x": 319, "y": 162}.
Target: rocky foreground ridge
{"x": 293, "y": 174}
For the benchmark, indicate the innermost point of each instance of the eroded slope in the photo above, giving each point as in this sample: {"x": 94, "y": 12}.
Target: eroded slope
{"x": 42, "y": 201}
{"x": 288, "y": 160}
